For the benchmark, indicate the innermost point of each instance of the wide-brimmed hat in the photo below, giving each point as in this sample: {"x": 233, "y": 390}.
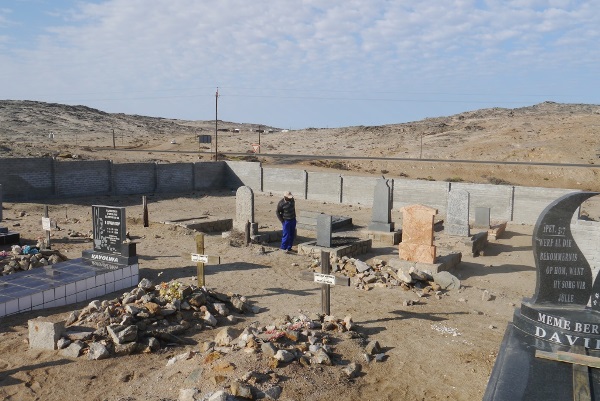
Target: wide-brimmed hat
{"x": 288, "y": 194}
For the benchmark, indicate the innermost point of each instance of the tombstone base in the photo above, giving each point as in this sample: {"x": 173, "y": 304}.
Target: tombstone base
{"x": 379, "y": 226}
{"x": 417, "y": 252}
{"x": 496, "y": 231}
{"x": 109, "y": 260}
{"x": 442, "y": 263}
{"x": 9, "y": 237}
{"x": 352, "y": 247}
{"x": 308, "y": 221}
{"x": 62, "y": 284}
{"x": 519, "y": 376}
{"x": 385, "y": 238}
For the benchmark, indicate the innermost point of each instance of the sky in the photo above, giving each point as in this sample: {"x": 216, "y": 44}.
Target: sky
{"x": 300, "y": 63}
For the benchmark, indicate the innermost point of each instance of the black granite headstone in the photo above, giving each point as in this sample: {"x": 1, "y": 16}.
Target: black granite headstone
{"x": 109, "y": 228}
{"x": 562, "y": 316}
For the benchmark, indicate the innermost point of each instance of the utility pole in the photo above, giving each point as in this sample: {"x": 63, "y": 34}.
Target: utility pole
{"x": 114, "y": 146}
{"x": 421, "y": 156}
{"x": 259, "y": 129}
{"x": 216, "y": 119}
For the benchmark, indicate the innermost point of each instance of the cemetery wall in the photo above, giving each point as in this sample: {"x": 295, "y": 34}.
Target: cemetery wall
{"x": 357, "y": 189}
{"x": 175, "y": 177}
{"x": 133, "y": 178}
{"x": 26, "y": 178}
{"x": 429, "y": 193}
{"x": 498, "y": 198}
{"x": 243, "y": 173}
{"x": 529, "y": 202}
{"x": 82, "y": 178}
{"x": 209, "y": 175}
{"x": 325, "y": 187}
{"x": 587, "y": 236}
{"x": 279, "y": 180}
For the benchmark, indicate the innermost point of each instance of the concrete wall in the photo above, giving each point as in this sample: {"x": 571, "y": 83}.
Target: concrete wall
{"x": 359, "y": 190}
{"x": 82, "y": 178}
{"x": 325, "y": 187}
{"x": 175, "y": 177}
{"x": 529, "y": 202}
{"x": 133, "y": 178}
{"x": 243, "y": 173}
{"x": 209, "y": 175}
{"x": 26, "y": 179}
{"x": 498, "y": 198}
{"x": 279, "y": 180}
{"x": 429, "y": 193}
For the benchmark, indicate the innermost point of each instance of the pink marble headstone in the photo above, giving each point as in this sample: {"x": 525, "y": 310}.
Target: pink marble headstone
{"x": 417, "y": 234}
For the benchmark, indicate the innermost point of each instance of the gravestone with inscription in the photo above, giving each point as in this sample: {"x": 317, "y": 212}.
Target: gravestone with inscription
{"x": 244, "y": 210}
{"x": 457, "y": 213}
{"x": 381, "y": 219}
{"x": 324, "y": 230}
{"x": 110, "y": 246}
{"x": 554, "y": 340}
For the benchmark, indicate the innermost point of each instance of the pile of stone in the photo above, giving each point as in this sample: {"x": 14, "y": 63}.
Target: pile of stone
{"x": 300, "y": 341}
{"x": 27, "y": 258}
{"x": 384, "y": 275}
{"x": 146, "y": 319}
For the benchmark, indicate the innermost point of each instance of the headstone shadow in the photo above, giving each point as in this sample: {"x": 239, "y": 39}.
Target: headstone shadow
{"x": 470, "y": 269}
{"x": 236, "y": 266}
{"x": 281, "y": 291}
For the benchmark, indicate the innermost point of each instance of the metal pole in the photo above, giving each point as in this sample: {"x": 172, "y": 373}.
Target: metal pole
{"x": 216, "y": 119}
{"x": 421, "y": 156}
{"x": 114, "y": 146}
{"x": 259, "y": 140}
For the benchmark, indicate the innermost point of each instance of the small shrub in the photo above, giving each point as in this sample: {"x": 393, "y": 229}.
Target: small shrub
{"x": 454, "y": 179}
{"x": 497, "y": 181}
{"x": 384, "y": 171}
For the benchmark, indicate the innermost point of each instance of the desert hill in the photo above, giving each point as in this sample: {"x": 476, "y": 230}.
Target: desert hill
{"x": 544, "y": 133}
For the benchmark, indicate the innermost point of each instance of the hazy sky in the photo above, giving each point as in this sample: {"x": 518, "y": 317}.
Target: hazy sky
{"x": 300, "y": 63}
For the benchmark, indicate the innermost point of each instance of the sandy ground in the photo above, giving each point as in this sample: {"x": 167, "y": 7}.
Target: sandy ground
{"x": 437, "y": 349}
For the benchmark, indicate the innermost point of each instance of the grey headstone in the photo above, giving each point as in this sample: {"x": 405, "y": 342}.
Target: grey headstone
{"x": 324, "y": 230}
{"x": 482, "y": 217}
{"x": 244, "y": 210}
{"x": 457, "y": 213}
{"x": 381, "y": 219}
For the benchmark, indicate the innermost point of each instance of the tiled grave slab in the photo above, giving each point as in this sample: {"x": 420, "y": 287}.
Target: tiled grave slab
{"x": 62, "y": 284}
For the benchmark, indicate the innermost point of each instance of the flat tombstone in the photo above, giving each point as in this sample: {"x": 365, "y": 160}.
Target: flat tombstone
{"x": 244, "y": 209}
{"x": 109, "y": 228}
{"x": 324, "y": 223}
{"x": 417, "y": 234}
{"x": 381, "y": 219}
{"x": 457, "y": 214}
{"x": 482, "y": 217}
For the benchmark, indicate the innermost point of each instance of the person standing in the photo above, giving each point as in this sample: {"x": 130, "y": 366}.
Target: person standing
{"x": 286, "y": 213}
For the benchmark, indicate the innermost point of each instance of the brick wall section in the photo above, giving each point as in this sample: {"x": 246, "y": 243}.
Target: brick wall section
{"x": 209, "y": 175}
{"x": 358, "y": 189}
{"x": 243, "y": 173}
{"x": 279, "y": 180}
{"x": 175, "y": 177}
{"x": 324, "y": 187}
{"x": 133, "y": 178}
{"x": 498, "y": 198}
{"x": 420, "y": 192}
{"x": 529, "y": 202}
{"x": 82, "y": 178}
{"x": 26, "y": 178}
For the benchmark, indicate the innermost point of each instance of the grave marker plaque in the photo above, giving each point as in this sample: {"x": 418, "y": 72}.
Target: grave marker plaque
{"x": 109, "y": 228}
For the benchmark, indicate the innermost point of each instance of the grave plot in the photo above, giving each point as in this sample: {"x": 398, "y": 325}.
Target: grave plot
{"x": 110, "y": 266}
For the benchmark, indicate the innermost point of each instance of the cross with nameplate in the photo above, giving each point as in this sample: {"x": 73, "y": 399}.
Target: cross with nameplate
{"x": 326, "y": 280}
{"x": 200, "y": 258}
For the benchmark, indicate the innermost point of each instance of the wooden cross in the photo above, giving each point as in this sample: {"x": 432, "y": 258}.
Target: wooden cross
{"x": 201, "y": 259}
{"x": 326, "y": 280}
{"x": 581, "y": 364}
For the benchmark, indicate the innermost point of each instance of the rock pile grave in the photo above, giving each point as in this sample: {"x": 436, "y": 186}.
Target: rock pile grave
{"x": 561, "y": 322}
